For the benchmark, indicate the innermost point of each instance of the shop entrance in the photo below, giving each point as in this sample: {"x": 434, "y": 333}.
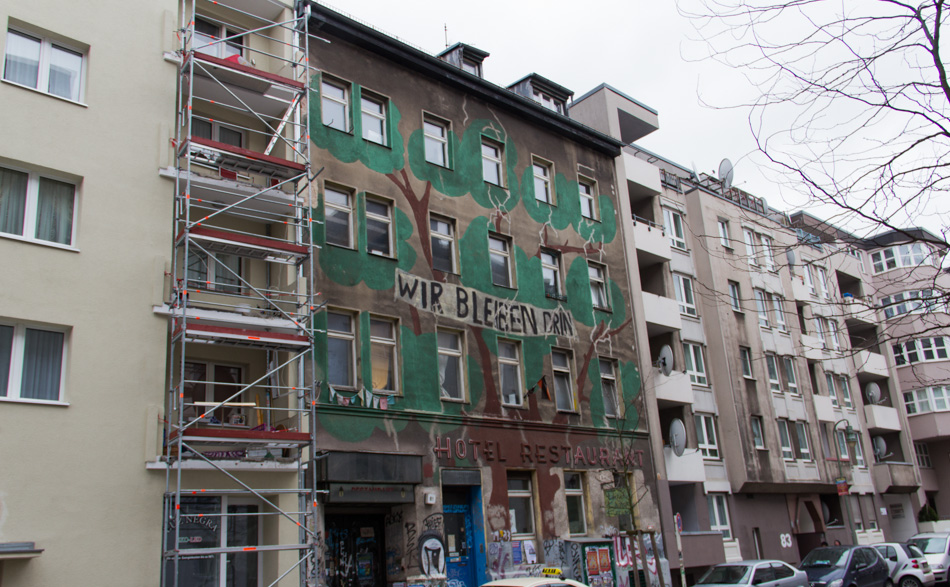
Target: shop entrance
{"x": 355, "y": 550}
{"x": 464, "y": 543}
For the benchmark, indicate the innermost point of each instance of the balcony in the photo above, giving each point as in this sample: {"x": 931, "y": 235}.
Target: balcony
{"x": 687, "y": 468}
{"x": 859, "y": 312}
{"x": 929, "y": 426}
{"x": 824, "y": 408}
{"x": 894, "y": 477}
{"x": 653, "y": 246}
{"x": 881, "y": 418}
{"x": 813, "y": 347}
{"x": 868, "y": 363}
{"x": 662, "y": 314}
{"x": 800, "y": 291}
{"x": 703, "y": 549}
{"x": 644, "y": 176}
{"x": 675, "y": 388}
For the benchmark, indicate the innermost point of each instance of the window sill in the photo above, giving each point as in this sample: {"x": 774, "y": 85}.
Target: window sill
{"x": 42, "y": 93}
{"x": 378, "y": 144}
{"x": 346, "y": 132}
{"x": 453, "y": 400}
{"x": 738, "y": 311}
{"x": 557, "y": 297}
{"x": 749, "y": 378}
{"x": 36, "y": 402}
{"x": 514, "y": 406}
{"x": 603, "y": 309}
{"x": 591, "y": 219}
{"x": 42, "y": 243}
{"x": 382, "y": 255}
{"x": 339, "y": 246}
{"x": 508, "y": 287}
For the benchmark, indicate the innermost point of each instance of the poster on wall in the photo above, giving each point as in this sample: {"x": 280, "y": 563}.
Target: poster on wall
{"x": 593, "y": 562}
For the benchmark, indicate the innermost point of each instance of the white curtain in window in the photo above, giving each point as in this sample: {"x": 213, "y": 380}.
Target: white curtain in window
{"x": 12, "y": 200}
{"x": 64, "y": 70}
{"x": 22, "y": 63}
{"x": 42, "y": 364}
{"x": 54, "y": 211}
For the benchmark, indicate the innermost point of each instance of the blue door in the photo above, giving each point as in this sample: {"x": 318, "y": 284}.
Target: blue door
{"x": 461, "y": 559}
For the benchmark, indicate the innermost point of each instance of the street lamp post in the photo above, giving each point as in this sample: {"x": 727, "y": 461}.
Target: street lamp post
{"x": 851, "y": 440}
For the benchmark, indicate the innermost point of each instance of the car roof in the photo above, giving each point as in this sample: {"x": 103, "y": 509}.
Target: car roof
{"x": 531, "y": 582}
{"x": 754, "y": 561}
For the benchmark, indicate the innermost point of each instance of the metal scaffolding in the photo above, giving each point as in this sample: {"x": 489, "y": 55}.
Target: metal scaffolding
{"x": 241, "y": 406}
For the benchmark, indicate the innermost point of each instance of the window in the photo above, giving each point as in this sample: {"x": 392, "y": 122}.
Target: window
{"x": 341, "y": 350}
{"x": 206, "y": 385}
{"x": 695, "y": 366}
{"x": 31, "y": 363}
{"x": 822, "y": 283}
{"x": 206, "y": 128}
{"x": 549, "y": 102}
{"x": 719, "y": 514}
{"x": 846, "y": 392}
{"x": 334, "y": 104}
{"x": 574, "y": 496}
{"x": 821, "y": 330}
{"x": 921, "y": 349}
{"x": 724, "y": 239}
{"x": 588, "y": 203}
{"x": 758, "y": 434}
{"x": 791, "y": 378}
{"x": 908, "y": 255}
{"x": 832, "y": 389}
{"x": 706, "y": 436}
{"x": 922, "y": 452}
{"x": 373, "y": 118}
{"x": 383, "y": 361}
{"x": 436, "y": 141}
{"x": 551, "y": 273}
{"x": 379, "y": 227}
{"x": 674, "y": 227}
{"x": 735, "y": 298}
{"x": 859, "y": 453}
{"x": 778, "y": 309}
{"x": 749, "y": 238}
{"x": 209, "y": 36}
{"x": 767, "y": 255}
{"x": 563, "y": 381}
{"x": 804, "y": 451}
{"x": 785, "y": 441}
{"x": 43, "y": 65}
{"x": 762, "y": 309}
{"x": 451, "y": 366}
{"x": 442, "y": 237}
{"x": 509, "y": 371}
{"x": 842, "y": 440}
{"x": 745, "y": 358}
{"x": 771, "y": 365}
{"x": 810, "y": 278}
{"x": 598, "y": 285}
{"x": 684, "y": 294}
{"x": 218, "y": 272}
{"x": 929, "y": 399}
{"x": 925, "y": 300}
{"x": 520, "y": 503}
{"x": 498, "y": 252}
{"x": 491, "y": 163}
{"x": 608, "y": 385}
{"x": 338, "y": 206}
{"x": 37, "y": 208}
{"x": 542, "y": 182}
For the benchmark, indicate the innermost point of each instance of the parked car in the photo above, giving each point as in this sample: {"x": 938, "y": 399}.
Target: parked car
{"x": 907, "y": 565}
{"x": 936, "y": 547}
{"x": 762, "y": 573}
{"x": 846, "y": 566}
{"x": 549, "y": 581}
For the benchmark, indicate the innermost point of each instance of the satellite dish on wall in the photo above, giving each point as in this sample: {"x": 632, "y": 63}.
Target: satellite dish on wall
{"x": 872, "y": 391}
{"x": 695, "y": 174}
{"x": 726, "y": 173}
{"x": 826, "y": 515}
{"x": 790, "y": 255}
{"x": 665, "y": 363}
{"x": 677, "y": 436}
{"x": 880, "y": 448}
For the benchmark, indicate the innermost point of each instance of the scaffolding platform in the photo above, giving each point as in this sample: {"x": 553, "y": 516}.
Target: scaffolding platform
{"x": 246, "y": 245}
{"x": 242, "y": 337}
{"x": 221, "y": 154}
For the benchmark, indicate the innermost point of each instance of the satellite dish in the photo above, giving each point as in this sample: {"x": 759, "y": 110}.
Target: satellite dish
{"x": 677, "y": 436}
{"x": 790, "y": 255}
{"x": 726, "y": 173}
{"x": 873, "y": 392}
{"x": 695, "y": 174}
{"x": 666, "y": 360}
{"x": 880, "y": 448}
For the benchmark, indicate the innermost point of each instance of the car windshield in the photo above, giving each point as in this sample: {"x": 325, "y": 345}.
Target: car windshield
{"x": 912, "y": 551}
{"x": 725, "y": 575}
{"x": 932, "y": 545}
{"x": 825, "y": 557}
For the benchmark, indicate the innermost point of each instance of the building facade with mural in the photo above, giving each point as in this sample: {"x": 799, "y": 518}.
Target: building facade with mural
{"x": 480, "y": 392}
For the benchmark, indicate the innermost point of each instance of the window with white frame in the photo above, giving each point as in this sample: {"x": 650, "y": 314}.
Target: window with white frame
{"x": 499, "y": 253}
{"x": 217, "y": 40}
{"x": 37, "y": 208}
{"x": 51, "y": 67}
{"x": 859, "y": 454}
{"x": 821, "y": 278}
{"x": 821, "y": 331}
{"x": 335, "y": 104}
{"x": 762, "y": 308}
{"x": 907, "y": 255}
{"x": 845, "y": 392}
{"x": 695, "y": 365}
{"x": 442, "y": 238}
{"x": 771, "y": 367}
{"x": 608, "y": 385}
{"x": 882, "y": 261}
{"x": 749, "y": 237}
{"x": 379, "y": 227}
{"x": 32, "y": 360}
{"x": 543, "y": 191}
{"x": 832, "y": 389}
{"x": 785, "y": 440}
{"x": 706, "y": 439}
{"x": 791, "y": 378}
{"x": 213, "y": 130}
{"x": 383, "y": 359}
{"x": 935, "y": 398}
{"x": 341, "y": 350}
{"x": 719, "y": 514}
{"x": 723, "y": 226}
{"x": 758, "y": 432}
{"x": 435, "y": 134}
{"x": 451, "y": 365}
{"x": 683, "y": 287}
{"x": 563, "y": 380}
{"x": 735, "y": 297}
{"x": 208, "y": 384}
{"x": 472, "y": 67}
{"x": 675, "y": 228}
{"x": 921, "y": 350}
{"x": 804, "y": 450}
{"x": 491, "y": 162}
{"x": 915, "y": 301}
{"x": 548, "y": 101}
{"x": 217, "y": 272}
{"x": 509, "y": 371}
{"x": 810, "y": 278}
{"x": 574, "y": 497}
{"x": 768, "y": 255}
{"x": 778, "y": 310}
{"x": 922, "y": 453}
{"x": 521, "y": 503}
{"x": 841, "y": 440}
{"x": 551, "y": 273}
{"x": 834, "y": 335}
{"x": 745, "y": 358}
{"x": 338, "y": 212}
{"x": 373, "y": 110}
{"x": 586, "y": 187}
{"x": 597, "y": 274}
